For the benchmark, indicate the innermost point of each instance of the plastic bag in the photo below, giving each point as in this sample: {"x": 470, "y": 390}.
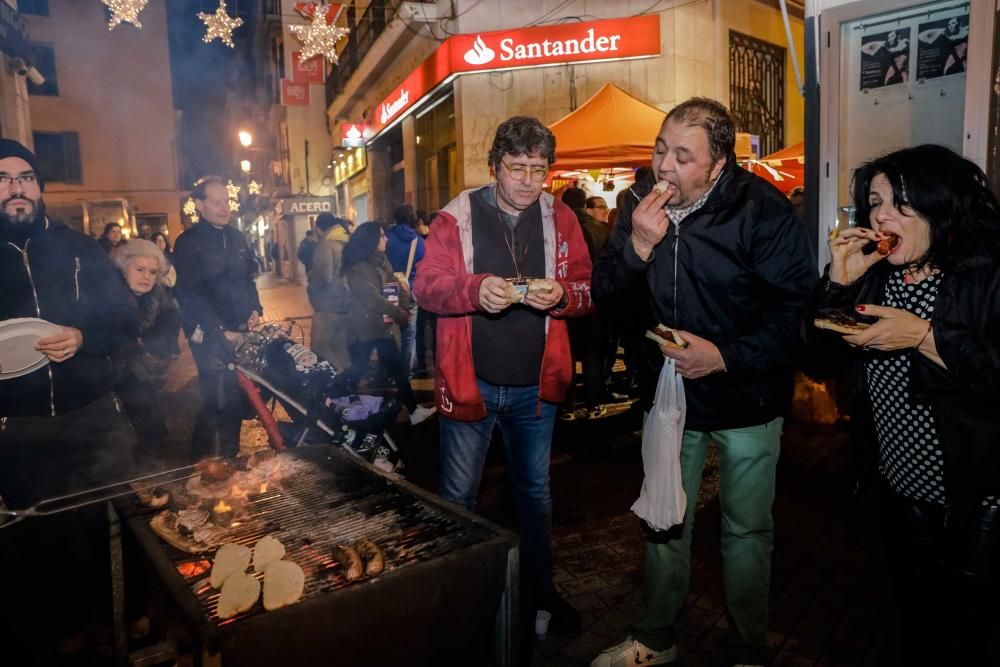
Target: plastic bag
{"x": 662, "y": 501}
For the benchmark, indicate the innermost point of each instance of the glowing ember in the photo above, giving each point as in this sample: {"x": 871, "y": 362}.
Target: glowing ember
{"x": 221, "y": 507}
{"x": 193, "y": 568}
{"x": 263, "y": 487}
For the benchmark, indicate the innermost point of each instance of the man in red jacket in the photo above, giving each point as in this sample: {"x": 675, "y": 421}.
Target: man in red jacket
{"x": 500, "y": 360}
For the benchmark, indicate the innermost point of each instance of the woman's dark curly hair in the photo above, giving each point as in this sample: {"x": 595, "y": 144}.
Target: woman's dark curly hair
{"x": 362, "y": 245}
{"x": 945, "y": 189}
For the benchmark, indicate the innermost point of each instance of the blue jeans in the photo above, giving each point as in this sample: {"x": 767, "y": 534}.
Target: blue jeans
{"x": 408, "y": 340}
{"x": 527, "y": 437}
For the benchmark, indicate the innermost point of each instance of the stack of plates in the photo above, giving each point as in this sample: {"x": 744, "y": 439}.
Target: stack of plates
{"x": 18, "y": 338}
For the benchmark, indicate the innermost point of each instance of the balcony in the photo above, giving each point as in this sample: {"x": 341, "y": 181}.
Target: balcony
{"x": 366, "y": 29}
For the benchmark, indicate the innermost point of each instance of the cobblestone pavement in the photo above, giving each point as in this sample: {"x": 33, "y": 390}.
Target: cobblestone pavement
{"x": 824, "y": 605}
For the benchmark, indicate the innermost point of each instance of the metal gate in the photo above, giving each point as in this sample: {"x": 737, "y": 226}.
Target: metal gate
{"x": 757, "y": 89}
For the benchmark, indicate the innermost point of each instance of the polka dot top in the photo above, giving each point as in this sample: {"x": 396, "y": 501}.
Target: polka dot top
{"x": 911, "y": 459}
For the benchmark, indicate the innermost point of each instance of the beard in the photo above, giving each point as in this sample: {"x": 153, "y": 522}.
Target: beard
{"x": 26, "y": 217}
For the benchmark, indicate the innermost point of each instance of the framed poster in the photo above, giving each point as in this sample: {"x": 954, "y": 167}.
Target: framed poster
{"x": 885, "y": 58}
{"x": 942, "y": 47}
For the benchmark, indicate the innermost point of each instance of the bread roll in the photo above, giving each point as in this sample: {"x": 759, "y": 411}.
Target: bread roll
{"x": 284, "y": 582}
{"x": 229, "y": 559}
{"x": 239, "y": 592}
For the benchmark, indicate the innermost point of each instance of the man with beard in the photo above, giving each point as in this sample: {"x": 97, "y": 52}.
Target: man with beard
{"x": 718, "y": 253}
{"x": 61, "y": 428}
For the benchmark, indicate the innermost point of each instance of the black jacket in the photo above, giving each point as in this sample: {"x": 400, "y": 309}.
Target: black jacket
{"x": 739, "y": 274}
{"x": 594, "y": 233}
{"x": 76, "y": 286}
{"x": 962, "y": 397}
{"x": 215, "y": 272}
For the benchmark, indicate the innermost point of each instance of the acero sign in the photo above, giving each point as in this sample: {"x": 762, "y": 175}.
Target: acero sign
{"x": 613, "y": 39}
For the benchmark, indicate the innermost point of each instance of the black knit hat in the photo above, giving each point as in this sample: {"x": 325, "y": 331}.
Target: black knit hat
{"x": 11, "y": 148}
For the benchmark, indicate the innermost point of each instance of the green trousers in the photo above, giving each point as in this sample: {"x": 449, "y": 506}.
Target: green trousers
{"x": 748, "y": 458}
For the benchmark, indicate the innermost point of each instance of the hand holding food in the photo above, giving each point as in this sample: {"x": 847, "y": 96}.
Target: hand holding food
{"x": 842, "y": 323}
{"x": 650, "y": 221}
{"x": 494, "y": 294}
{"x": 664, "y": 336}
{"x": 847, "y": 249}
{"x": 896, "y": 329}
{"x": 699, "y": 358}
{"x": 543, "y": 294}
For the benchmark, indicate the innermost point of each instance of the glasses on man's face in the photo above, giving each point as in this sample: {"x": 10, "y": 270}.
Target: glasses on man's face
{"x": 6, "y": 180}
{"x": 599, "y": 206}
{"x": 518, "y": 172}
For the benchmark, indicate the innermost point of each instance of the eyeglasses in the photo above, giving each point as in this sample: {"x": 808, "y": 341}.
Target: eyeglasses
{"x": 24, "y": 179}
{"x": 599, "y": 206}
{"x": 518, "y": 172}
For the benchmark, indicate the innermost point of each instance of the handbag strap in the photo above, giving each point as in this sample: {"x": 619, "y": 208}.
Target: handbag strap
{"x": 409, "y": 261}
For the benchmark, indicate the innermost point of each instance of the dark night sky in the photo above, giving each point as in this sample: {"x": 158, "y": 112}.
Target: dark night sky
{"x": 201, "y": 78}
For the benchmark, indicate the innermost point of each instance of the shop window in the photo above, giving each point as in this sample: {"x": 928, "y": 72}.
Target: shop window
{"x": 59, "y": 156}
{"x": 33, "y": 7}
{"x": 757, "y": 89}
{"x": 45, "y": 62}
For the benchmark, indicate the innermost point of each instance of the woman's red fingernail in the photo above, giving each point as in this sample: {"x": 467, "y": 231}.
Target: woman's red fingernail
{"x": 860, "y": 309}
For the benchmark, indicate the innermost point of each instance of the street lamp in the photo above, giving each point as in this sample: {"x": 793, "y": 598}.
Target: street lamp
{"x": 245, "y": 166}
{"x": 245, "y": 138}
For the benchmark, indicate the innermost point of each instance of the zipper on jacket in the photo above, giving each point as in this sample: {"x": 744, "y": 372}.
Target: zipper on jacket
{"x": 76, "y": 277}
{"x": 38, "y": 314}
{"x": 677, "y": 241}
{"x": 3, "y": 424}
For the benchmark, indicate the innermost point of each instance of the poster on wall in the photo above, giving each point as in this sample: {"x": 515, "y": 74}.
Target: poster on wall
{"x": 885, "y": 59}
{"x": 942, "y": 47}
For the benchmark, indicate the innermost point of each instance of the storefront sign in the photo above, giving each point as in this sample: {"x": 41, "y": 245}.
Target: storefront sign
{"x": 353, "y": 135}
{"x": 294, "y": 94}
{"x": 13, "y": 33}
{"x": 309, "y": 71}
{"x": 307, "y": 206}
{"x": 613, "y": 39}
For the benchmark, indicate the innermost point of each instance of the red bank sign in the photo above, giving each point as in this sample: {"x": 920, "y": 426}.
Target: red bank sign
{"x": 612, "y": 39}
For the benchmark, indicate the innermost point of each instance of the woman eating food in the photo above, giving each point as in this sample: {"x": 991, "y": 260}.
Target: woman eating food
{"x": 928, "y": 388}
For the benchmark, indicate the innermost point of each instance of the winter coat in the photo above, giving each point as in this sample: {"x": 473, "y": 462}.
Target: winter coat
{"x": 447, "y": 285}
{"x": 327, "y": 288}
{"x": 215, "y": 272}
{"x": 736, "y": 272}
{"x": 159, "y": 324}
{"x": 397, "y": 250}
{"x": 66, "y": 278}
{"x": 367, "y": 305}
{"x": 963, "y": 397}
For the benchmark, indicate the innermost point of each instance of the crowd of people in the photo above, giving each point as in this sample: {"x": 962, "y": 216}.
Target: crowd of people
{"x": 517, "y": 285}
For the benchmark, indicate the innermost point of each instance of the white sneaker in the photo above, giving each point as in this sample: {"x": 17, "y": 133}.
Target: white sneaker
{"x": 420, "y": 414}
{"x": 634, "y": 652}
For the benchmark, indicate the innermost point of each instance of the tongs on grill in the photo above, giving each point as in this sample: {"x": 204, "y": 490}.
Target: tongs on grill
{"x": 72, "y": 501}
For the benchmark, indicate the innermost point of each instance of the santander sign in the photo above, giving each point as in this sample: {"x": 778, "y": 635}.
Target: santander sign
{"x": 633, "y": 37}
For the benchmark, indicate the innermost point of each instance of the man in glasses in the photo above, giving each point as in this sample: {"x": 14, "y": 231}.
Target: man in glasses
{"x": 61, "y": 428}
{"x": 598, "y": 209}
{"x": 503, "y": 354}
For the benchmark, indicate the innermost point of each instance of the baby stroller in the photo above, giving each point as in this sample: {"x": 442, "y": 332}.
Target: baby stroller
{"x": 322, "y": 403}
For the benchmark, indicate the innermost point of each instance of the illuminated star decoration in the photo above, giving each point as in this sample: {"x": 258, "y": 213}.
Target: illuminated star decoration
{"x": 220, "y": 25}
{"x": 234, "y": 196}
{"x": 191, "y": 210}
{"x": 319, "y": 38}
{"x": 253, "y": 188}
{"x": 124, "y": 11}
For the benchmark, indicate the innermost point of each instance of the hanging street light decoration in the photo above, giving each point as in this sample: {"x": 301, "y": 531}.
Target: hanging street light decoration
{"x": 245, "y": 166}
{"x": 220, "y": 25}
{"x": 124, "y": 11}
{"x": 319, "y": 37}
{"x": 254, "y": 188}
{"x": 191, "y": 210}
{"x": 234, "y": 195}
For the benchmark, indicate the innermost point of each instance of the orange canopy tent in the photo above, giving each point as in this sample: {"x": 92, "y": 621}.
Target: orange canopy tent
{"x": 786, "y": 168}
{"x": 611, "y": 129}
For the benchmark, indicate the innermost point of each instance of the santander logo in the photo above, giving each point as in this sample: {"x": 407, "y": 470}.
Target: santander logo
{"x": 390, "y": 109}
{"x": 479, "y": 54}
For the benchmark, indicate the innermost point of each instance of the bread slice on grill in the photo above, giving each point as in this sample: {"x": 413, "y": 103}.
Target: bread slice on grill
{"x": 283, "y": 584}
{"x": 229, "y": 559}
{"x": 265, "y": 551}
{"x": 239, "y": 592}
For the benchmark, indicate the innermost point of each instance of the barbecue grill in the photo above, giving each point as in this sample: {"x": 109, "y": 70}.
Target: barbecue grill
{"x": 448, "y": 592}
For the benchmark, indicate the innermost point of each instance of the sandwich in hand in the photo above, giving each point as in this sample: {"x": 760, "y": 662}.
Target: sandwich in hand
{"x": 521, "y": 287}
{"x": 665, "y": 336}
{"x": 842, "y": 323}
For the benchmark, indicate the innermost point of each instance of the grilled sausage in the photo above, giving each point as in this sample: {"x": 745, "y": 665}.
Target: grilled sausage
{"x": 374, "y": 558}
{"x": 347, "y": 556}
{"x": 886, "y": 245}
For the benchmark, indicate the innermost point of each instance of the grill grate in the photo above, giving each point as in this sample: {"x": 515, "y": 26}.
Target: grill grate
{"x": 322, "y": 501}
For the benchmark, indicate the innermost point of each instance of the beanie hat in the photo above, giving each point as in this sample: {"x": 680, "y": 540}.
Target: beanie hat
{"x": 11, "y": 148}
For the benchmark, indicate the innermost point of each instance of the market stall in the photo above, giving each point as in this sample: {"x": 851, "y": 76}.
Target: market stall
{"x": 785, "y": 168}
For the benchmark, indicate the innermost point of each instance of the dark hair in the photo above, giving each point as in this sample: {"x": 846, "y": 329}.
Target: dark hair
{"x": 362, "y": 245}
{"x": 324, "y": 221}
{"x": 422, "y": 216}
{"x": 522, "y": 135}
{"x": 592, "y": 201}
{"x": 111, "y": 225}
{"x": 711, "y": 116}
{"x": 945, "y": 189}
{"x": 574, "y": 197}
{"x": 202, "y": 184}
{"x": 403, "y": 215}
{"x": 166, "y": 241}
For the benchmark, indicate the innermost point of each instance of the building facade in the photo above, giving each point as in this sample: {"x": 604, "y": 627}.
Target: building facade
{"x": 431, "y": 141}
{"x": 103, "y": 122}
{"x": 15, "y": 67}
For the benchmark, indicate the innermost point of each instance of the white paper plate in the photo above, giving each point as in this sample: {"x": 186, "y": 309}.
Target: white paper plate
{"x": 18, "y": 338}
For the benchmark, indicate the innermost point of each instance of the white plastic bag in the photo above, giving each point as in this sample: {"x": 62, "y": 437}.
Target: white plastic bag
{"x": 662, "y": 501}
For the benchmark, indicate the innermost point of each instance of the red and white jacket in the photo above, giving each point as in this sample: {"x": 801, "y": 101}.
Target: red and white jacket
{"x": 446, "y": 285}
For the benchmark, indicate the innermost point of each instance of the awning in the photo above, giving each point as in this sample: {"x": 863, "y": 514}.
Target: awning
{"x": 785, "y": 168}
{"x": 611, "y": 129}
